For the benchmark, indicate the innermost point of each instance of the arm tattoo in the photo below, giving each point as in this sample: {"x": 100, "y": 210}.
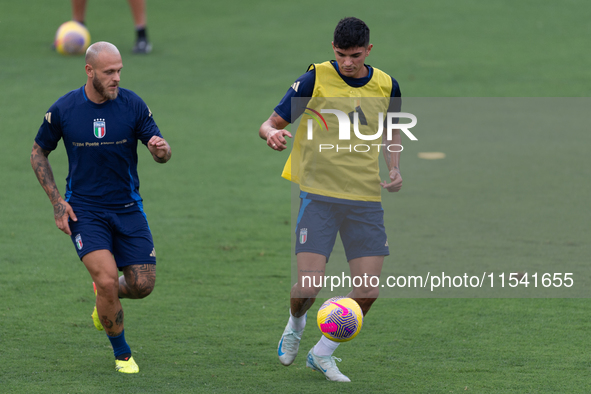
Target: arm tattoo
{"x": 42, "y": 168}
{"x": 59, "y": 210}
{"x": 275, "y": 120}
{"x": 388, "y": 159}
{"x": 164, "y": 159}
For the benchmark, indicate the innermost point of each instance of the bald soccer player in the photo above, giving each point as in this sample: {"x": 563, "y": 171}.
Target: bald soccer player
{"x": 102, "y": 210}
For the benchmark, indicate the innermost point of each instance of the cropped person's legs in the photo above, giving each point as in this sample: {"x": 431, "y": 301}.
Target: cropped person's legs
{"x": 78, "y": 10}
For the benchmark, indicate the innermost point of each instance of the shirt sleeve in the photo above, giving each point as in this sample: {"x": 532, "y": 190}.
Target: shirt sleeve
{"x": 302, "y": 87}
{"x": 395, "y": 102}
{"x": 146, "y": 127}
{"x": 50, "y": 131}
{"x": 395, "y": 98}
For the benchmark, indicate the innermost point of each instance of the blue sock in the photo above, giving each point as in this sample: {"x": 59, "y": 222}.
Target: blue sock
{"x": 120, "y": 346}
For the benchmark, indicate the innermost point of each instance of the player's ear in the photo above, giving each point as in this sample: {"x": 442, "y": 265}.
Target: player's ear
{"x": 89, "y": 71}
{"x": 369, "y": 49}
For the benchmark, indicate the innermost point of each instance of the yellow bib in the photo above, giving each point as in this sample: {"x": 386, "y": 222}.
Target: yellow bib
{"x": 323, "y": 163}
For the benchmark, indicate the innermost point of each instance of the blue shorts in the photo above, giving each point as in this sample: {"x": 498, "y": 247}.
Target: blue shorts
{"x": 126, "y": 235}
{"x": 361, "y": 228}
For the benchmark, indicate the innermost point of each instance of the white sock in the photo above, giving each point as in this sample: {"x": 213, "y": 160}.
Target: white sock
{"x": 325, "y": 347}
{"x": 297, "y": 323}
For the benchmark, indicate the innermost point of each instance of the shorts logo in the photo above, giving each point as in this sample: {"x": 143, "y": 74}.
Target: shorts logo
{"x": 153, "y": 254}
{"x": 100, "y": 128}
{"x": 79, "y": 242}
{"x": 303, "y": 235}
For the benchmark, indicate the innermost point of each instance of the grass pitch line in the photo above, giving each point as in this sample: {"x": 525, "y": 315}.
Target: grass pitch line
{"x": 431, "y": 155}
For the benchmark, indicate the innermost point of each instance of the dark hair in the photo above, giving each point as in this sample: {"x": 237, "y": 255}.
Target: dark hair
{"x": 351, "y": 33}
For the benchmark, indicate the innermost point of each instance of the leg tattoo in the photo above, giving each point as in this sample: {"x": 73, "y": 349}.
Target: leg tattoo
{"x": 106, "y": 322}
{"x": 119, "y": 317}
{"x": 137, "y": 281}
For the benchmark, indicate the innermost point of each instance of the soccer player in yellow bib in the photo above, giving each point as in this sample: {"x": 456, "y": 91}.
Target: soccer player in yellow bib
{"x": 338, "y": 175}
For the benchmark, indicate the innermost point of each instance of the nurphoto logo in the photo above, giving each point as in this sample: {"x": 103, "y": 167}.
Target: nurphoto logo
{"x": 355, "y": 117}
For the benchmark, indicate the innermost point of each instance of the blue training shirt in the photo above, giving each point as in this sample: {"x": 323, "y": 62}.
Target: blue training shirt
{"x": 101, "y": 143}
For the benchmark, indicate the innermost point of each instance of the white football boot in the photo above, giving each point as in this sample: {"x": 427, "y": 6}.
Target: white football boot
{"x": 327, "y": 366}
{"x": 287, "y": 350}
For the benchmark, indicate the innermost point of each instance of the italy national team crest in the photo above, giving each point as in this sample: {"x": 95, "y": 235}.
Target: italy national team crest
{"x": 303, "y": 235}
{"x": 100, "y": 128}
{"x": 79, "y": 242}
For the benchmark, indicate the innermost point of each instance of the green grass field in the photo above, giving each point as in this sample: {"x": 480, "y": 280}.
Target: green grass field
{"x": 220, "y": 214}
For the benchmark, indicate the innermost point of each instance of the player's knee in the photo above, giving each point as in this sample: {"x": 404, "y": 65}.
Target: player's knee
{"x": 107, "y": 286}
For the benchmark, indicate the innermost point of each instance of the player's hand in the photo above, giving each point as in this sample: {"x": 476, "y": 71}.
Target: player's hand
{"x": 62, "y": 211}
{"x": 159, "y": 149}
{"x": 395, "y": 183}
{"x": 276, "y": 139}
